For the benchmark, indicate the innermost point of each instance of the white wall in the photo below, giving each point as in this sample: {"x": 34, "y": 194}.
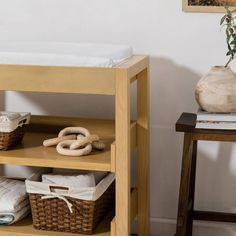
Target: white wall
{"x": 182, "y": 46}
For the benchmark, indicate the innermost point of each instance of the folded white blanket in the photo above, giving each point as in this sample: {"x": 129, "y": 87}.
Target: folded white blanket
{"x": 7, "y": 218}
{"x": 77, "y": 181}
{"x": 12, "y": 193}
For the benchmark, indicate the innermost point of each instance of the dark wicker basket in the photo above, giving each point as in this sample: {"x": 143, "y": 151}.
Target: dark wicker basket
{"x": 11, "y": 139}
{"x": 54, "y": 215}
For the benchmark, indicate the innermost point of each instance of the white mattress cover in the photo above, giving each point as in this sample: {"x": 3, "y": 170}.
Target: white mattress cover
{"x": 63, "y": 54}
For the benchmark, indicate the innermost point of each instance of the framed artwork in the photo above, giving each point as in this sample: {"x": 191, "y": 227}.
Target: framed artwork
{"x": 207, "y": 5}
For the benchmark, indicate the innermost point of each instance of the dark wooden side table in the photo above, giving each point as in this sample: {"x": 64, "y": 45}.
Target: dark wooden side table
{"x": 186, "y": 212}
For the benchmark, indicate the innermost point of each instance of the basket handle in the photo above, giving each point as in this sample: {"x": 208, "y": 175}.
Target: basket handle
{"x": 22, "y": 122}
{"x": 54, "y": 188}
{"x": 55, "y": 195}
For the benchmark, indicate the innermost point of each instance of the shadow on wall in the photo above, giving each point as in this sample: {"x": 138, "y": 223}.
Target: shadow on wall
{"x": 216, "y": 176}
{"x": 172, "y": 91}
{"x": 81, "y": 105}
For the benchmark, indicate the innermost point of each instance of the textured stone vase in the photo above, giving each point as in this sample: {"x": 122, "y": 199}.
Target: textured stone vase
{"x": 216, "y": 91}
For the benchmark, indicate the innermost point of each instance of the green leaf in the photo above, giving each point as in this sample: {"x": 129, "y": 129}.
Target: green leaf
{"x": 230, "y": 52}
{"x": 223, "y": 19}
{"x": 233, "y": 42}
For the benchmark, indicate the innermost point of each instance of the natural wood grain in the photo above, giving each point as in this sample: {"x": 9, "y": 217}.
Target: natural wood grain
{"x": 123, "y": 149}
{"x": 133, "y": 135}
{"x": 134, "y": 204}
{"x": 133, "y": 79}
{"x": 113, "y": 227}
{"x": 32, "y": 153}
{"x": 187, "y": 123}
{"x": 113, "y": 157}
{"x": 192, "y": 188}
{"x": 213, "y": 135}
{"x": 57, "y": 79}
{"x": 143, "y": 152}
{"x": 102, "y": 127}
{"x": 214, "y": 216}
{"x": 134, "y": 65}
{"x": 25, "y": 228}
{"x": 183, "y": 207}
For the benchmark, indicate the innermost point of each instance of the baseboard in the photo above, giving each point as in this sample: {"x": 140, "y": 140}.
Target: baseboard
{"x": 166, "y": 227}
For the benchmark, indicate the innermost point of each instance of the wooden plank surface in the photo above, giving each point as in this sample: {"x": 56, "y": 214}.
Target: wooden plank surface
{"x": 214, "y": 216}
{"x": 123, "y": 150}
{"x": 187, "y": 123}
{"x": 134, "y": 65}
{"x": 134, "y": 204}
{"x": 57, "y": 79}
{"x": 102, "y": 127}
{"x": 25, "y": 228}
{"x": 32, "y": 153}
{"x": 143, "y": 107}
{"x": 63, "y": 79}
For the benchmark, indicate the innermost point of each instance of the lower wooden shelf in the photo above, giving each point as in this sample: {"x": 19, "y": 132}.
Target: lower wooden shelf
{"x": 25, "y": 228}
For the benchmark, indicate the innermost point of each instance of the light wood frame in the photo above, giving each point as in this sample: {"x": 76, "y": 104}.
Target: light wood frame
{"x": 214, "y": 9}
{"x": 128, "y": 135}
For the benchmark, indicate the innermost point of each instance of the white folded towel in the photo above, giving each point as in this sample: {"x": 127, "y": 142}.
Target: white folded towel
{"x": 78, "y": 181}
{"x": 12, "y": 193}
{"x": 7, "y": 218}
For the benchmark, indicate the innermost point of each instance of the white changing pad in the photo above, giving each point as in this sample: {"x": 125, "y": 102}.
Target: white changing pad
{"x": 63, "y": 54}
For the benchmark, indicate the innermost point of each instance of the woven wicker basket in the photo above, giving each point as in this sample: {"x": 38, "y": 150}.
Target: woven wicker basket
{"x": 54, "y": 215}
{"x": 11, "y": 139}
{"x": 12, "y": 128}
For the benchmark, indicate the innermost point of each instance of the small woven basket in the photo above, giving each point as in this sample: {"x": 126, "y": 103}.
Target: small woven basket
{"x": 54, "y": 215}
{"x": 11, "y": 139}
{"x": 12, "y": 128}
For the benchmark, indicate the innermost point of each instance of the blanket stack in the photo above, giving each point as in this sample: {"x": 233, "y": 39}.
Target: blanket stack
{"x": 14, "y": 201}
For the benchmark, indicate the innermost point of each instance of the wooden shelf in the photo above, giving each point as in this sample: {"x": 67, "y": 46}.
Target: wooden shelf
{"x": 120, "y": 140}
{"x": 25, "y": 228}
{"x": 32, "y": 153}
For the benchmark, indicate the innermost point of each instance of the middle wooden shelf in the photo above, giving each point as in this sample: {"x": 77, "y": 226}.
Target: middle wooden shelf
{"x": 32, "y": 153}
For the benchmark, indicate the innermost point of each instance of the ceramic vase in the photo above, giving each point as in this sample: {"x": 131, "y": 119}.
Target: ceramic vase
{"x": 216, "y": 91}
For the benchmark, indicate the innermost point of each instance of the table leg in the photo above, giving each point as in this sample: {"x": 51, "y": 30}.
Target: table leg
{"x": 192, "y": 188}
{"x": 183, "y": 223}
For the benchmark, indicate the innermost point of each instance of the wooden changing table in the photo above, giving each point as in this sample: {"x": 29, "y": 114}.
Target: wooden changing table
{"x": 122, "y": 135}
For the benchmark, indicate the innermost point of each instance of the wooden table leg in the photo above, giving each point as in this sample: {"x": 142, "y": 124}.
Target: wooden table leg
{"x": 192, "y": 188}
{"x": 183, "y": 224}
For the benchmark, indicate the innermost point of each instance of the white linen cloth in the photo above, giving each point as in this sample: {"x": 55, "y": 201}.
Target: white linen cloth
{"x": 63, "y": 54}
{"x": 12, "y": 193}
{"x": 14, "y": 202}
{"x": 77, "y": 181}
{"x": 7, "y": 218}
{"x": 88, "y": 193}
{"x": 99, "y": 175}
